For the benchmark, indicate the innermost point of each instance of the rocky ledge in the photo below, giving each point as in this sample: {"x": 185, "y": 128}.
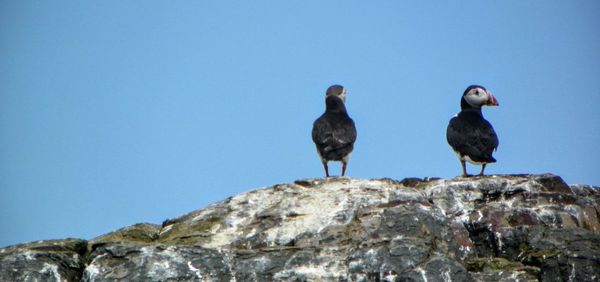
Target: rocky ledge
{"x": 494, "y": 228}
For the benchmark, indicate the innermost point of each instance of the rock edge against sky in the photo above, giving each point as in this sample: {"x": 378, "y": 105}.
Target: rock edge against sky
{"x": 493, "y": 228}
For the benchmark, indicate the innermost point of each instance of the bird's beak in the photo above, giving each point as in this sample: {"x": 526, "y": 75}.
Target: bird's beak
{"x": 492, "y": 101}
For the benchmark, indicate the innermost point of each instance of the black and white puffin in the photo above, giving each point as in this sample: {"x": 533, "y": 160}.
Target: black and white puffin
{"x": 334, "y": 132}
{"x": 471, "y": 136}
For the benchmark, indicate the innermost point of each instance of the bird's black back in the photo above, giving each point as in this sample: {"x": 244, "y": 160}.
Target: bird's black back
{"x": 334, "y": 132}
{"x": 470, "y": 134}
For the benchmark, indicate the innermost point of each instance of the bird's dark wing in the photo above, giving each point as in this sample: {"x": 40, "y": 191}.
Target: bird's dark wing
{"x": 490, "y": 139}
{"x": 334, "y": 132}
{"x": 322, "y": 131}
{"x": 475, "y": 138}
{"x": 345, "y": 132}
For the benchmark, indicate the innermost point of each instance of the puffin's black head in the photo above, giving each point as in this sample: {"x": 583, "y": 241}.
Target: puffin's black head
{"x": 336, "y": 90}
{"x": 476, "y": 96}
{"x": 334, "y": 104}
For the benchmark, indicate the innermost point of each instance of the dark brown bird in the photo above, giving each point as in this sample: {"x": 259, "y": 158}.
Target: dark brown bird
{"x": 334, "y": 132}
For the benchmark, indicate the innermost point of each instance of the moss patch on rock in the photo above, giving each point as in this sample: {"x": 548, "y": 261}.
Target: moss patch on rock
{"x": 138, "y": 233}
{"x": 187, "y": 233}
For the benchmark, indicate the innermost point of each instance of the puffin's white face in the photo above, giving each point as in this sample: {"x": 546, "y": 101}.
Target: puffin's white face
{"x": 341, "y": 94}
{"x": 478, "y": 97}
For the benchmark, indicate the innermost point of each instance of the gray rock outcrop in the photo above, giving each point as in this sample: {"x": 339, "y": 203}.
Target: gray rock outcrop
{"x": 494, "y": 228}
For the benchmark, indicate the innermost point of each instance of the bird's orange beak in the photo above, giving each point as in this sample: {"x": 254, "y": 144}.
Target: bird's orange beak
{"x": 492, "y": 101}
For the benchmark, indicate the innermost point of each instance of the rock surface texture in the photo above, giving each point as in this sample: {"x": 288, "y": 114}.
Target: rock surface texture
{"x": 493, "y": 228}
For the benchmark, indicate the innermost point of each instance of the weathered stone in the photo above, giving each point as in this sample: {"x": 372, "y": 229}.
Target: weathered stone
{"x": 126, "y": 262}
{"x": 499, "y": 269}
{"x": 52, "y": 260}
{"x": 492, "y": 228}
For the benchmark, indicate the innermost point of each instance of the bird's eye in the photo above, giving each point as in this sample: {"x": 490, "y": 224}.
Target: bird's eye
{"x": 477, "y": 92}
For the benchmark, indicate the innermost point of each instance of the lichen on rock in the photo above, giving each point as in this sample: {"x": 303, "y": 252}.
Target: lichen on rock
{"x": 492, "y": 228}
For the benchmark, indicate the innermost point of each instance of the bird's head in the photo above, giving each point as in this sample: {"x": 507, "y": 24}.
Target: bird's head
{"x": 334, "y": 104}
{"x": 476, "y": 96}
{"x": 336, "y": 90}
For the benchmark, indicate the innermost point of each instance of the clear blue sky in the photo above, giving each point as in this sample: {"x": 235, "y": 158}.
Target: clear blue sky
{"x": 114, "y": 113}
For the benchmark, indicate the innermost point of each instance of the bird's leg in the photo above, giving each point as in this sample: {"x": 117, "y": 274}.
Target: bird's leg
{"x": 482, "y": 168}
{"x": 344, "y": 168}
{"x": 326, "y": 169}
{"x": 464, "y": 168}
